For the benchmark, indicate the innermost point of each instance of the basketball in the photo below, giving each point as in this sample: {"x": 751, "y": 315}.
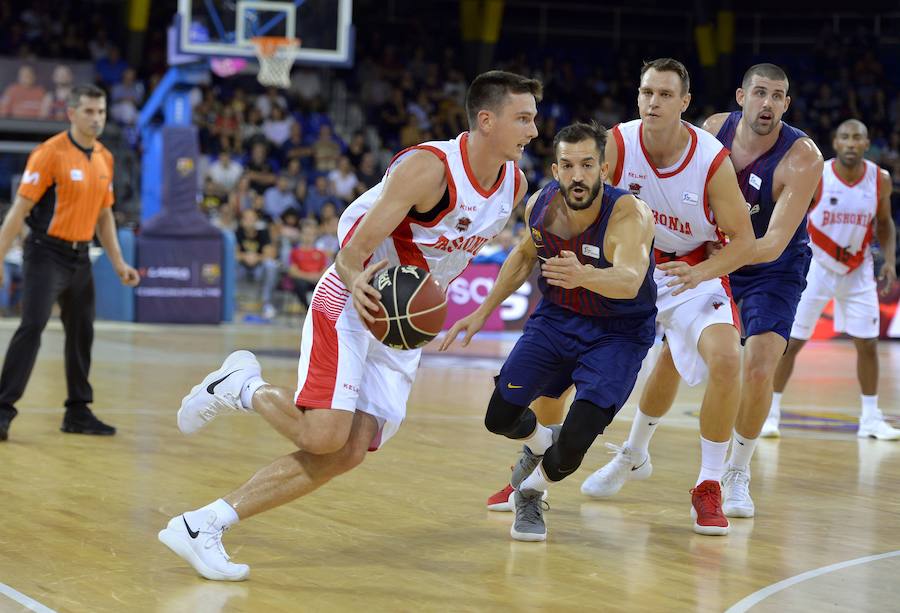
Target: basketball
{"x": 412, "y": 308}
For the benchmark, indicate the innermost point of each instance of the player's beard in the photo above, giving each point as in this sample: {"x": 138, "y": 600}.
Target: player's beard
{"x": 575, "y": 205}
{"x": 764, "y": 130}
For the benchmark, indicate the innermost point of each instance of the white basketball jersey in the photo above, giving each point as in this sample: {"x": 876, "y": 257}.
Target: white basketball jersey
{"x": 840, "y": 222}
{"x": 677, "y": 195}
{"x": 445, "y": 244}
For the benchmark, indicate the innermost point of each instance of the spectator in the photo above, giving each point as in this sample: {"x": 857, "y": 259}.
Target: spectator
{"x": 368, "y": 174}
{"x": 290, "y": 234}
{"x": 23, "y": 99}
{"x": 307, "y": 263}
{"x": 328, "y": 238}
{"x": 411, "y": 134}
{"x": 306, "y": 83}
{"x": 111, "y": 69}
{"x": 344, "y": 183}
{"x": 328, "y": 212}
{"x": 357, "y": 149}
{"x": 126, "y": 98}
{"x": 55, "y": 105}
{"x": 224, "y": 173}
{"x": 277, "y": 127}
{"x": 279, "y": 198}
{"x": 392, "y": 117}
{"x": 294, "y": 174}
{"x": 227, "y": 129}
{"x": 295, "y": 148}
{"x": 252, "y": 130}
{"x": 256, "y": 258}
{"x": 269, "y": 101}
{"x": 317, "y": 196}
{"x": 259, "y": 170}
{"x": 326, "y": 150}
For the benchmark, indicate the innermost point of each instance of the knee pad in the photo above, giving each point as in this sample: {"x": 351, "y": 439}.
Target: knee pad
{"x": 583, "y": 424}
{"x": 508, "y": 419}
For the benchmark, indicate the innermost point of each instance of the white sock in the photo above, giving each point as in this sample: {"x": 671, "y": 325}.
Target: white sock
{"x": 642, "y": 429}
{"x": 712, "y": 460}
{"x": 250, "y": 386}
{"x": 540, "y": 440}
{"x": 535, "y": 481}
{"x": 226, "y": 516}
{"x": 870, "y": 407}
{"x": 775, "y": 409}
{"x": 741, "y": 451}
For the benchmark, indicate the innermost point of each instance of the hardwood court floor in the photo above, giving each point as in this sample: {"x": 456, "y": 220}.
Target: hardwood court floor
{"x": 408, "y": 530}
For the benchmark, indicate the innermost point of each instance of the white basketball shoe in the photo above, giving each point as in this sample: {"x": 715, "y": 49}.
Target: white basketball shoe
{"x": 219, "y": 392}
{"x": 770, "y": 428}
{"x": 875, "y": 427}
{"x": 626, "y": 466}
{"x": 736, "y": 492}
{"x": 201, "y": 547}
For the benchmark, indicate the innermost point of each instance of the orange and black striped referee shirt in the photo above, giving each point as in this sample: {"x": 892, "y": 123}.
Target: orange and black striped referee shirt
{"x": 70, "y": 185}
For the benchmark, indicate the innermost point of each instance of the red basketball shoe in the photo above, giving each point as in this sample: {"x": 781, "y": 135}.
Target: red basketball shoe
{"x": 706, "y": 509}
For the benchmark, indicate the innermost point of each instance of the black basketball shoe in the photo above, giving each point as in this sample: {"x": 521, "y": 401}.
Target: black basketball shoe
{"x": 83, "y": 421}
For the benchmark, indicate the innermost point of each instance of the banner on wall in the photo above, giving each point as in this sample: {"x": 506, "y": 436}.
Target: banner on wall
{"x": 469, "y": 290}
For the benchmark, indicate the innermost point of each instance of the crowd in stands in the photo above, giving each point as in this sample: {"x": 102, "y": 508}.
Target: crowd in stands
{"x": 278, "y": 171}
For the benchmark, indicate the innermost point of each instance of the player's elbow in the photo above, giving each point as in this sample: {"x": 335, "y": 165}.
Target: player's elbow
{"x": 629, "y": 285}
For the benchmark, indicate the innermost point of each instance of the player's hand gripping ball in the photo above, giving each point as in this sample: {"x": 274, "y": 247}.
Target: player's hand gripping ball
{"x": 412, "y": 308}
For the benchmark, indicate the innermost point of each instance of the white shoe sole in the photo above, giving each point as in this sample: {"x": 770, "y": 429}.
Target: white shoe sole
{"x": 216, "y": 374}
{"x": 707, "y": 530}
{"x": 176, "y": 543}
{"x": 528, "y": 537}
{"x": 877, "y": 437}
{"x": 738, "y": 512}
{"x": 506, "y": 507}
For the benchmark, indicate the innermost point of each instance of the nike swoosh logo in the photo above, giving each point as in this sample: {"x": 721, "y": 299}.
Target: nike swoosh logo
{"x": 513, "y": 387}
{"x": 211, "y": 388}
{"x": 565, "y": 472}
{"x": 633, "y": 468}
{"x": 740, "y": 442}
{"x": 652, "y": 423}
{"x": 191, "y": 532}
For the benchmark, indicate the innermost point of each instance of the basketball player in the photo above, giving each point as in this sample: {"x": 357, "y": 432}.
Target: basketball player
{"x": 778, "y": 169}
{"x": 855, "y": 193}
{"x": 437, "y": 204}
{"x": 685, "y": 176}
{"x": 593, "y": 327}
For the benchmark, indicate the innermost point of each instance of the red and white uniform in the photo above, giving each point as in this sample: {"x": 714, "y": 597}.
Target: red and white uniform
{"x": 342, "y": 366}
{"x": 840, "y": 226}
{"x": 684, "y": 224}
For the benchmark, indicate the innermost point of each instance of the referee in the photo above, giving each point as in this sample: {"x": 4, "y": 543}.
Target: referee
{"x": 65, "y": 195}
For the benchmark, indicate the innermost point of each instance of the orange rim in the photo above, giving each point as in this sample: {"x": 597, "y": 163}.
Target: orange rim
{"x": 266, "y": 46}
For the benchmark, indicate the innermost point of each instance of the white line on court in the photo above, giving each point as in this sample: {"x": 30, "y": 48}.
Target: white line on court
{"x": 29, "y": 603}
{"x": 756, "y": 597}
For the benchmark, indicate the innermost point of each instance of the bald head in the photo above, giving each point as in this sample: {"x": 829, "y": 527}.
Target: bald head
{"x": 851, "y": 141}
{"x": 855, "y": 126}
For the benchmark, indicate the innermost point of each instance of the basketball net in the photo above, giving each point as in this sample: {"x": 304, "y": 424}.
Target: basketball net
{"x": 276, "y": 57}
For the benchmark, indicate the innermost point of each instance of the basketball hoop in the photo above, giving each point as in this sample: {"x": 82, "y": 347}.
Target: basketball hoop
{"x": 276, "y": 57}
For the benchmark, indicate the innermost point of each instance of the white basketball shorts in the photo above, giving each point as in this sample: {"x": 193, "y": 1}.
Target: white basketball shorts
{"x": 343, "y": 367}
{"x": 682, "y": 318}
{"x": 855, "y": 294}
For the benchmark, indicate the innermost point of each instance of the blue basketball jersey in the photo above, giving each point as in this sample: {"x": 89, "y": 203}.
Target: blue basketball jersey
{"x": 588, "y": 247}
{"x": 756, "y": 182}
